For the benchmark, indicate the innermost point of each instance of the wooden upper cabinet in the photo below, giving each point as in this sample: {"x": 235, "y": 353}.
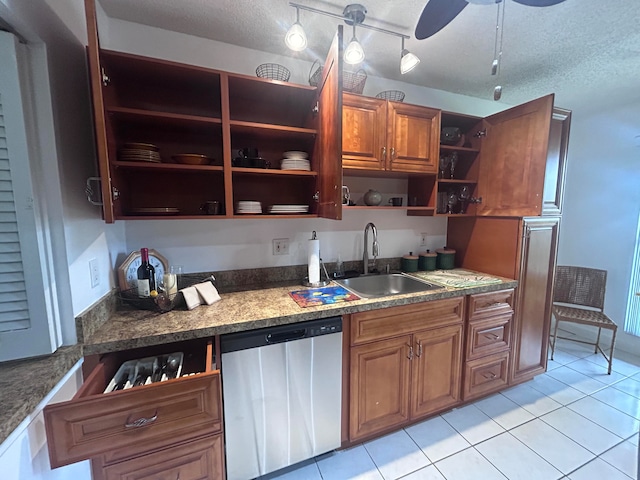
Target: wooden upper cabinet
{"x": 414, "y": 133}
{"x": 383, "y": 135}
{"x": 512, "y": 159}
{"x": 556, "y": 162}
{"x": 364, "y": 132}
{"x": 95, "y": 74}
{"x": 328, "y": 146}
{"x": 169, "y": 109}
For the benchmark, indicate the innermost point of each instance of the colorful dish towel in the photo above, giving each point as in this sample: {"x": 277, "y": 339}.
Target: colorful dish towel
{"x": 322, "y": 296}
{"x": 457, "y": 278}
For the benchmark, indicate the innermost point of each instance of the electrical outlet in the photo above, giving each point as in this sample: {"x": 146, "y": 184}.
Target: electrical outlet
{"x": 95, "y": 272}
{"x": 423, "y": 239}
{"x": 281, "y": 246}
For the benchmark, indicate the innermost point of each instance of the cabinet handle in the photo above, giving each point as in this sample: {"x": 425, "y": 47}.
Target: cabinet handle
{"x": 384, "y": 153}
{"x": 491, "y": 336}
{"x": 419, "y": 354}
{"x": 393, "y": 153}
{"x": 489, "y": 376}
{"x": 410, "y": 356}
{"x": 141, "y": 422}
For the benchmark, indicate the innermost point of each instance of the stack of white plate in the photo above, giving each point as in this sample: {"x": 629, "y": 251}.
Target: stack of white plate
{"x": 248, "y": 207}
{"x": 295, "y": 160}
{"x": 278, "y": 209}
{"x": 139, "y": 152}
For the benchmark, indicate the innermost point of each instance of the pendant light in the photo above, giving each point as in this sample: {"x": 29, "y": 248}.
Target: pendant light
{"x": 354, "y": 53}
{"x": 296, "y": 38}
{"x": 408, "y": 61}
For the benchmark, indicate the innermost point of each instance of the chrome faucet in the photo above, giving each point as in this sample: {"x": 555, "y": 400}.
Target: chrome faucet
{"x": 374, "y": 247}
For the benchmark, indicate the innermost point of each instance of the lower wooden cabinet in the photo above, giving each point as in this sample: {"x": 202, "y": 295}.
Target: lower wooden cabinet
{"x": 534, "y": 297}
{"x": 380, "y": 382}
{"x": 197, "y": 460}
{"x": 436, "y": 370}
{"x": 171, "y": 429}
{"x": 407, "y": 370}
{"x": 488, "y": 343}
{"x": 486, "y": 375}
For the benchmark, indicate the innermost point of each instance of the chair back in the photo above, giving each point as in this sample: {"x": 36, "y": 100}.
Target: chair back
{"x": 580, "y": 286}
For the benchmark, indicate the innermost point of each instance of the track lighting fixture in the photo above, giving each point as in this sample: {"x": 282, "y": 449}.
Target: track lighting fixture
{"x": 296, "y": 38}
{"x": 408, "y": 61}
{"x": 354, "y": 15}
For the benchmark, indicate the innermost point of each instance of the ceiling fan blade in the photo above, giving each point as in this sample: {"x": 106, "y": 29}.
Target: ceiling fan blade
{"x": 436, "y": 15}
{"x": 539, "y": 3}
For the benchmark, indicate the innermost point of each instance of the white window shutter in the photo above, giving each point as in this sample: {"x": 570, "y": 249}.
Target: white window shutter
{"x": 25, "y": 327}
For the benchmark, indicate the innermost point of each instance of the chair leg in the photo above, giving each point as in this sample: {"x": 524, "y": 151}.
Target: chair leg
{"x": 613, "y": 341}
{"x": 555, "y": 337}
{"x": 598, "y": 340}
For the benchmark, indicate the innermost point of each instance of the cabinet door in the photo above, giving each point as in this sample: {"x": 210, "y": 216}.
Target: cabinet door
{"x": 328, "y": 145}
{"x": 413, "y": 138}
{"x": 95, "y": 74}
{"x": 534, "y": 297}
{"x": 513, "y": 155}
{"x": 437, "y": 370}
{"x": 556, "y": 162}
{"x": 364, "y": 132}
{"x": 379, "y": 385}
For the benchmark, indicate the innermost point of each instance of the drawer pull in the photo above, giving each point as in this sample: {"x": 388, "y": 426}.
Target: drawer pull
{"x": 495, "y": 304}
{"x": 489, "y": 376}
{"x": 491, "y": 336}
{"x": 141, "y": 422}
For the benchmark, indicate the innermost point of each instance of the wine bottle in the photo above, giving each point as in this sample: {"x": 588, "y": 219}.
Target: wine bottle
{"x": 146, "y": 275}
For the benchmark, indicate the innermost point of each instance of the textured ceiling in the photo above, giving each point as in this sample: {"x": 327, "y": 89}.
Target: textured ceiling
{"x": 583, "y": 50}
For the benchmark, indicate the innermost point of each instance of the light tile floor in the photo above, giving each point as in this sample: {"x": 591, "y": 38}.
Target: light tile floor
{"x": 573, "y": 422}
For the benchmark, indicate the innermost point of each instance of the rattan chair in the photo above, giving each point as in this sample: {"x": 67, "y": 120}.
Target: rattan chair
{"x": 578, "y": 297}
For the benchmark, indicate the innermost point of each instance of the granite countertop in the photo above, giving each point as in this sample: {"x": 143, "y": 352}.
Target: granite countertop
{"x": 246, "y": 310}
{"x": 25, "y": 383}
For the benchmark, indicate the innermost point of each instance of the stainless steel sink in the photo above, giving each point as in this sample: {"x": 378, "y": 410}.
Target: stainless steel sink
{"x": 373, "y": 286}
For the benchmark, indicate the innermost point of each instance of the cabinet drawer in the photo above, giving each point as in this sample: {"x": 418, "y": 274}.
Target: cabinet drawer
{"x": 488, "y": 336}
{"x": 94, "y": 423}
{"x": 485, "y": 375}
{"x": 394, "y": 321}
{"x": 490, "y": 303}
{"x": 190, "y": 461}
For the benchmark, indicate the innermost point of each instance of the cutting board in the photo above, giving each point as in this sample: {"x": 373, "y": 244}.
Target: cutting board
{"x": 457, "y": 278}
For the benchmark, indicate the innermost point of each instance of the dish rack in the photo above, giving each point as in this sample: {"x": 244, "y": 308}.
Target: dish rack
{"x": 352, "y": 82}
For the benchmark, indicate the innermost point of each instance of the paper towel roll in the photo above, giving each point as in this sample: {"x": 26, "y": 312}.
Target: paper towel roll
{"x": 313, "y": 261}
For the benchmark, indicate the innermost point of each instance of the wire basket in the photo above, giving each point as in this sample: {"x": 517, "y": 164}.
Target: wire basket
{"x": 161, "y": 303}
{"x": 273, "y": 71}
{"x": 393, "y": 95}
{"x": 352, "y": 82}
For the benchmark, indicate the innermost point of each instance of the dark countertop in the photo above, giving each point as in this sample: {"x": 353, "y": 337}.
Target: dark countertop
{"x": 24, "y": 383}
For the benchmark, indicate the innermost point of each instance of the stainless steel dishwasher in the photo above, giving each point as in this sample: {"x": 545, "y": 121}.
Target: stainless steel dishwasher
{"x": 281, "y": 389}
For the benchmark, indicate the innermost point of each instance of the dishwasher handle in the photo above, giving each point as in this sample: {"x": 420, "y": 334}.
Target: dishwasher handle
{"x": 286, "y": 336}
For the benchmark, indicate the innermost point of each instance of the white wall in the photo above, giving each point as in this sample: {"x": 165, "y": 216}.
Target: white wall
{"x": 602, "y": 201}
{"x": 24, "y": 455}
